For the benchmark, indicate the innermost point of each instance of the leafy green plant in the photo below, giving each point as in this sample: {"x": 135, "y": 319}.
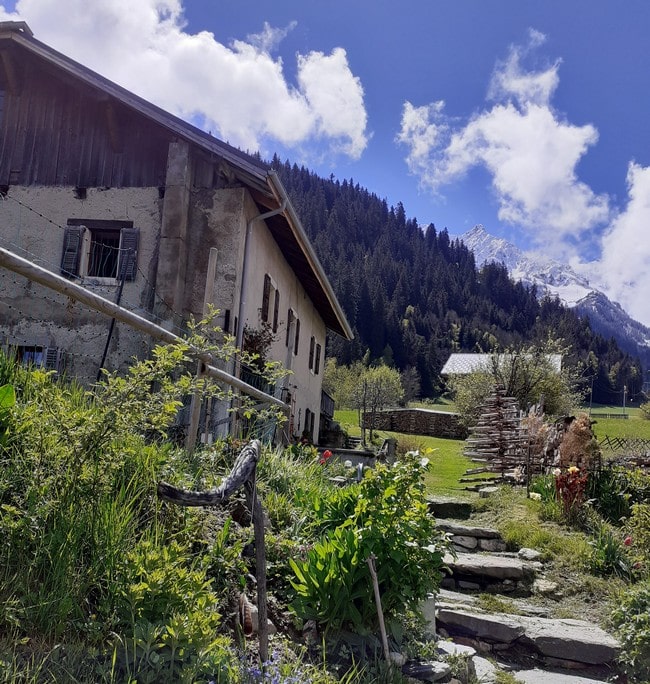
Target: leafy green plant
{"x": 631, "y": 619}
{"x": 7, "y": 402}
{"x": 390, "y": 522}
{"x": 638, "y": 538}
{"x": 167, "y": 610}
{"x": 608, "y": 555}
{"x": 544, "y": 485}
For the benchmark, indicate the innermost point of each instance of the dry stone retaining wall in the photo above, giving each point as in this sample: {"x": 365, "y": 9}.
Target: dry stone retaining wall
{"x": 417, "y": 422}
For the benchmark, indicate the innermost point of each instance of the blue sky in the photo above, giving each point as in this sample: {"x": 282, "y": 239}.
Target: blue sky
{"x": 528, "y": 116}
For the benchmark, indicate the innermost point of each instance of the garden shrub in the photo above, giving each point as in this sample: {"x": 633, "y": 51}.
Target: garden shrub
{"x": 608, "y": 553}
{"x": 631, "y": 619}
{"x": 607, "y": 491}
{"x": 391, "y": 523}
{"x": 638, "y": 529}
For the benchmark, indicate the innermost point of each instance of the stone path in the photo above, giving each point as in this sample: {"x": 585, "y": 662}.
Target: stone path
{"x": 536, "y": 647}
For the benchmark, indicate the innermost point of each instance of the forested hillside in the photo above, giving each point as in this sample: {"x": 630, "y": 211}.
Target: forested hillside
{"x": 413, "y": 295}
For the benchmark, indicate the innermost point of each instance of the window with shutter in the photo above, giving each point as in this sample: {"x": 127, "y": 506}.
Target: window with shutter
{"x": 43, "y": 357}
{"x": 290, "y": 319}
{"x": 297, "y": 337}
{"x": 317, "y": 360}
{"x": 100, "y": 249}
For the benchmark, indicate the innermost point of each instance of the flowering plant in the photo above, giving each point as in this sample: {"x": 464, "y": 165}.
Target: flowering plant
{"x": 325, "y": 457}
{"x": 570, "y": 490}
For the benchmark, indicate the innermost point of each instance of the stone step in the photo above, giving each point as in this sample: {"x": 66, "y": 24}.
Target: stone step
{"x": 468, "y": 537}
{"x": 484, "y": 671}
{"x": 552, "y": 677}
{"x": 560, "y": 643}
{"x": 502, "y": 574}
{"x": 445, "y": 507}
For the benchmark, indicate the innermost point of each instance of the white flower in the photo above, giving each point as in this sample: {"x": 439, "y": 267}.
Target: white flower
{"x": 348, "y": 464}
{"x": 557, "y": 471}
{"x": 535, "y": 495}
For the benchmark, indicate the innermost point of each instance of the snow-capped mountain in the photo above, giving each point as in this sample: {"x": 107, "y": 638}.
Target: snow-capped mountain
{"x": 607, "y": 318}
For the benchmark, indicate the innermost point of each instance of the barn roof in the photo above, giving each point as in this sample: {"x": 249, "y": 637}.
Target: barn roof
{"x": 463, "y": 364}
{"x": 265, "y": 186}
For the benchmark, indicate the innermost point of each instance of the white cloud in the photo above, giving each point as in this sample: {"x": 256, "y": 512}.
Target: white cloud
{"x": 529, "y": 151}
{"x": 336, "y": 98}
{"x": 239, "y": 92}
{"x": 624, "y": 267}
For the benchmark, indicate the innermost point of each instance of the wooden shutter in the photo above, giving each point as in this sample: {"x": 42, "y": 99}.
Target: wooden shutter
{"x": 72, "y": 241}
{"x": 297, "y": 339}
{"x": 312, "y": 342}
{"x": 129, "y": 238}
{"x": 276, "y": 311}
{"x": 52, "y": 358}
{"x": 317, "y": 361}
{"x": 287, "y": 340}
{"x": 266, "y": 295}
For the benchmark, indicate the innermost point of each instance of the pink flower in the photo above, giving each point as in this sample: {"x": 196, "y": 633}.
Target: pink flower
{"x": 628, "y": 540}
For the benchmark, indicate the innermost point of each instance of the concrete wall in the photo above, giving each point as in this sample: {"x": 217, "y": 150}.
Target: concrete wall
{"x": 172, "y": 258}
{"x": 33, "y": 224}
{"x": 418, "y": 422}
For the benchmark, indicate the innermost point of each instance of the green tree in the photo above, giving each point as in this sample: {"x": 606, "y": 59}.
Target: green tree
{"x": 527, "y": 373}
{"x": 382, "y": 388}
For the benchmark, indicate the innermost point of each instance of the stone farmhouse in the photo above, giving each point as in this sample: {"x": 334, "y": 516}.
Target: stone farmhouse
{"x": 129, "y": 201}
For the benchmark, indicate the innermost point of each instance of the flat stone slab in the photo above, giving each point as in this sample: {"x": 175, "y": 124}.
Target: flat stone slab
{"x": 468, "y": 530}
{"x": 450, "y": 508}
{"x": 542, "y": 677}
{"x": 568, "y": 639}
{"x": 559, "y": 640}
{"x": 485, "y": 565}
{"x": 492, "y": 628}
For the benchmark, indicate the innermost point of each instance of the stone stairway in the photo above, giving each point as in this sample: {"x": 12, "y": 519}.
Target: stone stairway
{"x": 534, "y": 646}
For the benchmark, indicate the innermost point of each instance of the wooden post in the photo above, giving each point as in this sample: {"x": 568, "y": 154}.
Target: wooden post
{"x": 260, "y": 570}
{"x": 380, "y": 612}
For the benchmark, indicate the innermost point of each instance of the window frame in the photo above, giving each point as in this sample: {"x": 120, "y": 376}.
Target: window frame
{"x": 78, "y": 243}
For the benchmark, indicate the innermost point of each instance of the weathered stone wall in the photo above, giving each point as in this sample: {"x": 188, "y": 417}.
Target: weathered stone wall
{"x": 418, "y": 422}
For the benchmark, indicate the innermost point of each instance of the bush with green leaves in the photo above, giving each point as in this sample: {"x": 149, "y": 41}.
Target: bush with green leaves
{"x": 631, "y": 620}
{"x": 390, "y": 522}
{"x": 638, "y": 538}
{"x": 167, "y": 615}
{"x": 608, "y": 553}
{"x": 80, "y": 518}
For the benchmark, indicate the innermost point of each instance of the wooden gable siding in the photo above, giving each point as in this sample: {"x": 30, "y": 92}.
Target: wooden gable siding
{"x": 56, "y": 133}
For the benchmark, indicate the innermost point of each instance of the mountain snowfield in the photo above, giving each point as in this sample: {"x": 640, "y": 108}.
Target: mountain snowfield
{"x": 551, "y": 277}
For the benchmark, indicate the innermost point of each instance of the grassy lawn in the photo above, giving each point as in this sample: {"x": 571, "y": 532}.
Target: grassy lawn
{"x": 634, "y": 426}
{"x": 446, "y": 458}
{"x": 448, "y": 464}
